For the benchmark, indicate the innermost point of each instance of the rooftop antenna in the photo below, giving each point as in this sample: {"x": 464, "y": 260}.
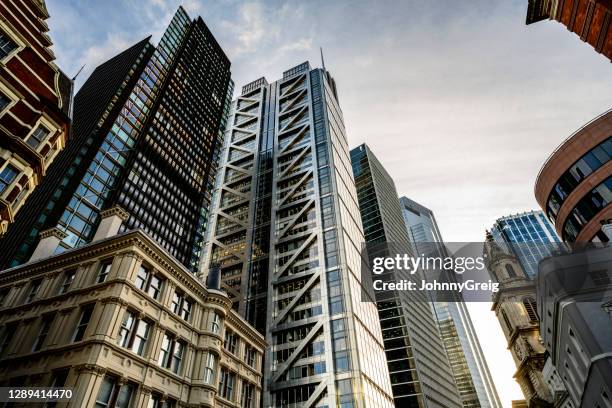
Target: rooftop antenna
{"x": 77, "y": 74}
{"x": 322, "y": 60}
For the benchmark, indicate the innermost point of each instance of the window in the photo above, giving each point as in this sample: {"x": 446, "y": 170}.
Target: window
{"x": 103, "y": 271}
{"x": 226, "y": 384}
{"x": 38, "y": 137}
{"x": 7, "y": 45}
{"x": 33, "y": 291}
{"x": 249, "y": 356}
{"x": 181, "y": 305}
{"x": 172, "y": 352}
{"x": 115, "y": 395}
{"x": 210, "y": 368}
{"x": 134, "y": 333}
{"x": 45, "y": 326}
{"x": 215, "y": 324}
{"x": 79, "y": 332}
{"x": 248, "y": 390}
{"x": 156, "y": 401}
{"x": 7, "y": 337}
{"x": 230, "y": 343}
{"x": 7, "y": 176}
{"x": 3, "y": 295}
{"x": 58, "y": 380}
{"x": 68, "y": 279}
{"x": 149, "y": 282}
{"x": 510, "y": 271}
{"x": 507, "y": 321}
{"x": 4, "y": 101}
{"x": 531, "y": 308}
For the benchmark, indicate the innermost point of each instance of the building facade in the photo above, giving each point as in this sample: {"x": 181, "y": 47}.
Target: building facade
{"x": 529, "y": 236}
{"x": 588, "y": 19}
{"x": 35, "y": 104}
{"x": 146, "y": 126}
{"x": 515, "y": 307}
{"x": 468, "y": 364}
{"x": 421, "y": 375}
{"x": 287, "y": 239}
{"x": 574, "y": 187}
{"x": 577, "y": 323}
{"x": 124, "y": 324}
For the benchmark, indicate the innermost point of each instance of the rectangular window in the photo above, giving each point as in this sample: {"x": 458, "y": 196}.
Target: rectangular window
{"x": 210, "y": 368}
{"x": 68, "y": 279}
{"x": 172, "y": 353}
{"x": 134, "y": 333}
{"x": 7, "y": 337}
{"x": 148, "y": 282}
{"x": 249, "y": 356}
{"x": 4, "y": 101}
{"x": 181, "y": 305}
{"x": 38, "y": 137}
{"x": 3, "y": 295}
{"x": 215, "y": 324}
{"x": 113, "y": 394}
{"x": 45, "y": 326}
{"x": 34, "y": 288}
{"x": 248, "y": 390}
{"x": 226, "y": 384}
{"x": 79, "y": 332}
{"x": 156, "y": 402}
{"x": 103, "y": 271}
{"x": 7, "y": 45}
{"x": 7, "y": 176}
{"x": 230, "y": 342}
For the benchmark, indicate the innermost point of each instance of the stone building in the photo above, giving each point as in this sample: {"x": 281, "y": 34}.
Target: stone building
{"x": 35, "y": 98}
{"x": 515, "y": 307}
{"x": 125, "y": 325}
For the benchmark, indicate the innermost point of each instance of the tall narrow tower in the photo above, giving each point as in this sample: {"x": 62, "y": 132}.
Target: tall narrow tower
{"x": 286, "y": 234}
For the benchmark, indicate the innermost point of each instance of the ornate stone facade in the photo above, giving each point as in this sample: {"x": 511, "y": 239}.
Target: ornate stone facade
{"x": 120, "y": 320}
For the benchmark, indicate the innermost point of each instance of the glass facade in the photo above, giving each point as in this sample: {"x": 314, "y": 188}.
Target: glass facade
{"x": 418, "y": 366}
{"x": 585, "y": 210}
{"x": 284, "y": 234}
{"x": 469, "y": 367}
{"x": 513, "y": 232}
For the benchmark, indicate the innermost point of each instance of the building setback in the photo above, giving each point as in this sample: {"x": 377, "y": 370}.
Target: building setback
{"x": 124, "y": 324}
{"x": 588, "y": 19}
{"x": 35, "y": 99}
{"x": 287, "y": 237}
{"x": 467, "y": 360}
{"x": 420, "y": 373}
{"x": 146, "y": 125}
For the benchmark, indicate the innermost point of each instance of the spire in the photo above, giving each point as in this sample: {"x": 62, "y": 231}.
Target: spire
{"x": 322, "y": 60}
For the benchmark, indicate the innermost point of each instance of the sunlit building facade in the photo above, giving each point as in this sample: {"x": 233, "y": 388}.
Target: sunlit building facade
{"x": 286, "y": 236}
{"x": 146, "y": 125}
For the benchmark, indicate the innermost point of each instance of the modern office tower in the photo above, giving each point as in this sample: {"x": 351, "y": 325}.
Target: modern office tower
{"x": 576, "y": 322}
{"x": 588, "y": 19}
{"x": 515, "y": 307}
{"x": 146, "y": 124}
{"x": 287, "y": 240}
{"x": 35, "y": 99}
{"x": 467, "y": 360}
{"x": 420, "y": 372}
{"x": 123, "y": 324}
{"x": 529, "y": 236}
{"x": 574, "y": 186}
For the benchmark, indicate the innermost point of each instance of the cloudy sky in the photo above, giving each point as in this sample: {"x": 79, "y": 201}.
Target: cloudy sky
{"x": 461, "y": 101}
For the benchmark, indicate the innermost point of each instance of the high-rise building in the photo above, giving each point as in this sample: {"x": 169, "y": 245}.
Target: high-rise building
{"x": 146, "y": 125}
{"x": 286, "y": 235}
{"x": 122, "y": 323}
{"x": 421, "y": 375}
{"x": 574, "y": 186}
{"x": 588, "y": 19}
{"x": 467, "y": 360}
{"x": 35, "y": 104}
{"x": 529, "y": 236}
{"x": 515, "y": 307}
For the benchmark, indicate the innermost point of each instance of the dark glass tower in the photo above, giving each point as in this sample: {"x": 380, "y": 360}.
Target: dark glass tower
{"x": 421, "y": 375}
{"x": 146, "y": 124}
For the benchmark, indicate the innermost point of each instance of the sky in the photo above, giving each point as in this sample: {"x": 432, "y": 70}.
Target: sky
{"x": 460, "y": 101}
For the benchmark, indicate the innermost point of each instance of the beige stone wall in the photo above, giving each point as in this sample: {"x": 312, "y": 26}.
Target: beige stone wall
{"x": 99, "y": 352}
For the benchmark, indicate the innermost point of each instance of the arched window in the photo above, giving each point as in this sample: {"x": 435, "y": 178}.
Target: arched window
{"x": 531, "y": 308}
{"x": 510, "y": 271}
{"x": 507, "y": 321}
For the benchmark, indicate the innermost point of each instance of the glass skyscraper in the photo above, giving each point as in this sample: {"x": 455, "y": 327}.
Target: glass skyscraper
{"x": 420, "y": 372}
{"x": 467, "y": 361}
{"x": 146, "y": 124}
{"x": 528, "y": 236}
{"x": 286, "y": 235}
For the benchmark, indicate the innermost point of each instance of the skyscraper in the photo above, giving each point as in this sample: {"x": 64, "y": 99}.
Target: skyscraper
{"x": 285, "y": 235}
{"x": 146, "y": 124}
{"x": 529, "y": 236}
{"x": 468, "y": 363}
{"x": 35, "y": 104}
{"x": 420, "y": 372}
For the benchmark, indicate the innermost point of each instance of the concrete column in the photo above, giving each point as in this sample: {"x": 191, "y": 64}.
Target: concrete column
{"x": 49, "y": 240}
{"x": 112, "y": 219}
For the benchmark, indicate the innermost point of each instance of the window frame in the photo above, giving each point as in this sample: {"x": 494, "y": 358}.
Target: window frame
{"x": 106, "y": 266}
{"x": 77, "y": 334}
{"x": 146, "y": 283}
